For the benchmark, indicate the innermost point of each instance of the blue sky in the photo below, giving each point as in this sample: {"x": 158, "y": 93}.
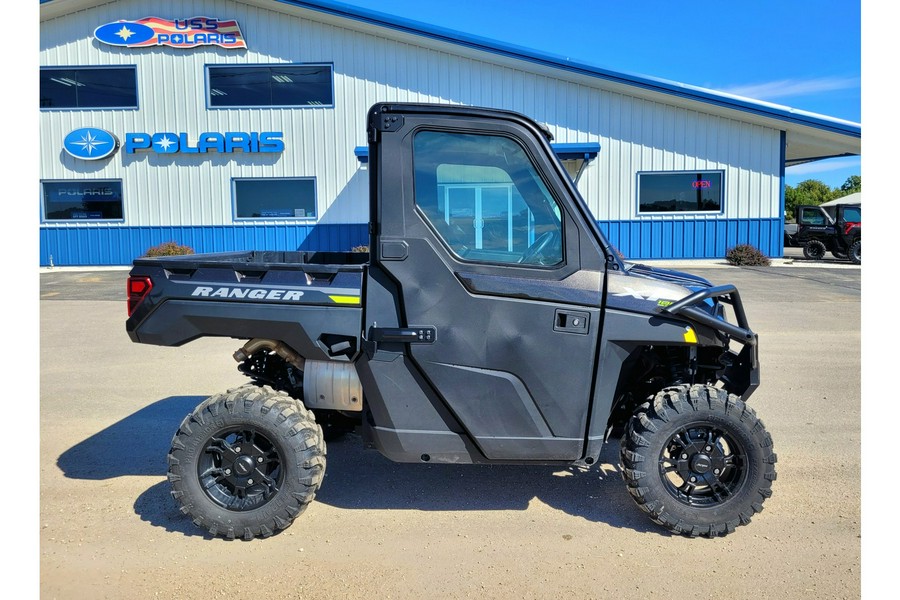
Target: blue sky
{"x": 799, "y": 53}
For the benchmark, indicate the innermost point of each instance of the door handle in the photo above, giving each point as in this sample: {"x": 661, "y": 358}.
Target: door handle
{"x": 571, "y": 321}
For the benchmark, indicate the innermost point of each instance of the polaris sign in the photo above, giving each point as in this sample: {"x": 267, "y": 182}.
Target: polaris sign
{"x": 90, "y": 143}
{"x": 263, "y": 142}
{"x": 177, "y": 33}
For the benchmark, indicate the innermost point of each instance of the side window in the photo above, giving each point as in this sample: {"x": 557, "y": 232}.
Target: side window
{"x": 853, "y": 214}
{"x": 88, "y": 87}
{"x": 811, "y": 216}
{"x": 680, "y": 192}
{"x": 484, "y": 198}
{"x": 239, "y": 86}
{"x": 83, "y": 200}
{"x": 275, "y": 198}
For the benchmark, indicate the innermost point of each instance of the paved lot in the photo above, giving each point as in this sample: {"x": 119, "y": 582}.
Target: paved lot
{"x": 109, "y": 529}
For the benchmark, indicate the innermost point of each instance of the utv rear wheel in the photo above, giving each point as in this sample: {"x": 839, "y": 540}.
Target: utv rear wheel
{"x": 698, "y": 461}
{"x": 855, "y": 252}
{"x": 247, "y": 462}
{"x": 814, "y": 250}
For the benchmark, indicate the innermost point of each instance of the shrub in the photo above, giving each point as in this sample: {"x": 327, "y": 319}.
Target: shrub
{"x": 169, "y": 249}
{"x": 360, "y": 249}
{"x": 745, "y": 255}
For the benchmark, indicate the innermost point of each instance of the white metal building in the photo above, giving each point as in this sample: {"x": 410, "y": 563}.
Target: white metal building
{"x": 230, "y": 125}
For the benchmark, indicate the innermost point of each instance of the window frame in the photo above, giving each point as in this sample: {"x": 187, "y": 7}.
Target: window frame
{"x": 719, "y": 211}
{"x": 47, "y": 220}
{"x": 208, "y": 87}
{"x": 234, "y": 200}
{"x": 132, "y": 68}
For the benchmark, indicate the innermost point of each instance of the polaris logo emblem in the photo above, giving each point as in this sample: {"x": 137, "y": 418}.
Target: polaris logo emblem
{"x": 90, "y": 143}
{"x": 252, "y": 293}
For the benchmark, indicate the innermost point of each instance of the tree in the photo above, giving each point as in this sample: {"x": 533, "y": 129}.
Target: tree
{"x": 811, "y": 191}
{"x": 851, "y": 186}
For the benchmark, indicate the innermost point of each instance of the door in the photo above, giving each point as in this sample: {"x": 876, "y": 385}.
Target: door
{"x": 478, "y": 232}
{"x": 813, "y": 223}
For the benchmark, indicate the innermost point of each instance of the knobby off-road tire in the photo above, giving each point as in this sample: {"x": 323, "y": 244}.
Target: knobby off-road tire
{"x": 247, "y": 462}
{"x": 855, "y": 252}
{"x": 698, "y": 460}
{"x": 814, "y": 250}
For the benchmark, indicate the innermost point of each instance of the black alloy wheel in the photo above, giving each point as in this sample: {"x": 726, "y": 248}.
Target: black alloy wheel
{"x": 246, "y": 463}
{"x": 241, "y": 469}
{"x": 698, "y": 460}
{"x": 702, "y": 465}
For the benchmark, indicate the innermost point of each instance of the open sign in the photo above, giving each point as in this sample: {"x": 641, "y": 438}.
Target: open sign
{"x": 701, "y": 184}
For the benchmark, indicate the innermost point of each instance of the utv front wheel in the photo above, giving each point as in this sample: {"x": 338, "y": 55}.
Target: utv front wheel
{"x": 247, "y": 462}
{"x": 855, "y": 252}
{"x": 814, "y": 250}
{"x": 698, "y": 461}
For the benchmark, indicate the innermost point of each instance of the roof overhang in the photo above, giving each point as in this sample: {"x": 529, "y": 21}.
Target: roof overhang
{"x": 809, "y": 136}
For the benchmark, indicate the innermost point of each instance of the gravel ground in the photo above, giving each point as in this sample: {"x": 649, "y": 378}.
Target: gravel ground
{"x": 110, "y": 529}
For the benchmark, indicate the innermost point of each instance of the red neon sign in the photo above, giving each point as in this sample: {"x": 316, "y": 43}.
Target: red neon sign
{"x": 701, "y": 184}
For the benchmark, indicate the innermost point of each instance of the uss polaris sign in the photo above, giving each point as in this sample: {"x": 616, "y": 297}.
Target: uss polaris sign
{"x": 177, "y": 33}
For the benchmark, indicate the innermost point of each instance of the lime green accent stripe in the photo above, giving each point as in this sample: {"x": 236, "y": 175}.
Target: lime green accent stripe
{"x": 345, "y": 299}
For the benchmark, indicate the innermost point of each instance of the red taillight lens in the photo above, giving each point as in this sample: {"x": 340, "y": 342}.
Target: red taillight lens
{"x": 138, "y": 288}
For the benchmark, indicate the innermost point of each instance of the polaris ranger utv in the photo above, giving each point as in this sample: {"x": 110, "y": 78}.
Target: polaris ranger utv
{"x": 835, "y": 227}
{"x": 492, "y": 322}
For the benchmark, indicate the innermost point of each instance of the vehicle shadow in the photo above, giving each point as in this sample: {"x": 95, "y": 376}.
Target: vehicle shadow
{"x": 359, "y": 478}
{"x": 136, "y": 445}
{"x": 356, "y": 478}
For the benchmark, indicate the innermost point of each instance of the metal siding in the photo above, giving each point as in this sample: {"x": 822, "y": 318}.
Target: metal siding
{"x": 121, "y": 245}
{"x": 192, "y": 193}
{"x": 691, "y": 239}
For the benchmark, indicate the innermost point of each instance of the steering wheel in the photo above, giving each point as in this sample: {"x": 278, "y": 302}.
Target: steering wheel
{"x": 537, "y": 248}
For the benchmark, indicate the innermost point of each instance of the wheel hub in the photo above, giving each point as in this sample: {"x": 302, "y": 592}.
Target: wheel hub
{"x": 241, "y": 470}
{"x": 702, "y": 466}
{"x": 243, "y": 466}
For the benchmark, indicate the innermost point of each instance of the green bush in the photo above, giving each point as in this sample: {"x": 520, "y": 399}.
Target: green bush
{"x": 745, "y": 255}
{"x": 169, "y": 249}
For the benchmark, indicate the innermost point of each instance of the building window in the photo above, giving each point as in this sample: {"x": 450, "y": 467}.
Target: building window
{"x": 485, "y": 199}
{"x": 270, "y": 86}
{"x": 89, "y": 87}
{"x": 680, "y": 192}
{"x": 83, "y": 200}
{"x": 289, "y": 198}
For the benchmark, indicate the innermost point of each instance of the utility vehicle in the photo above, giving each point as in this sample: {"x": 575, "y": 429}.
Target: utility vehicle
{"x": 835, "y": 228}
{"x": 490, "y": 322}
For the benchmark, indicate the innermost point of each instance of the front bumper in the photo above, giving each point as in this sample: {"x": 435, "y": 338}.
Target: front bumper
{"x": 742, "y": 375}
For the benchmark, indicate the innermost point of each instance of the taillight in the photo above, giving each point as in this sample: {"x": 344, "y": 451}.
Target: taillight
{"x": 138, "y": 288}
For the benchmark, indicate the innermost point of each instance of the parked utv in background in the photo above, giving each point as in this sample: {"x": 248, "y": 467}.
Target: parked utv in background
{"x": 834, "y": 227}
{"x": 492, "y": 322}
